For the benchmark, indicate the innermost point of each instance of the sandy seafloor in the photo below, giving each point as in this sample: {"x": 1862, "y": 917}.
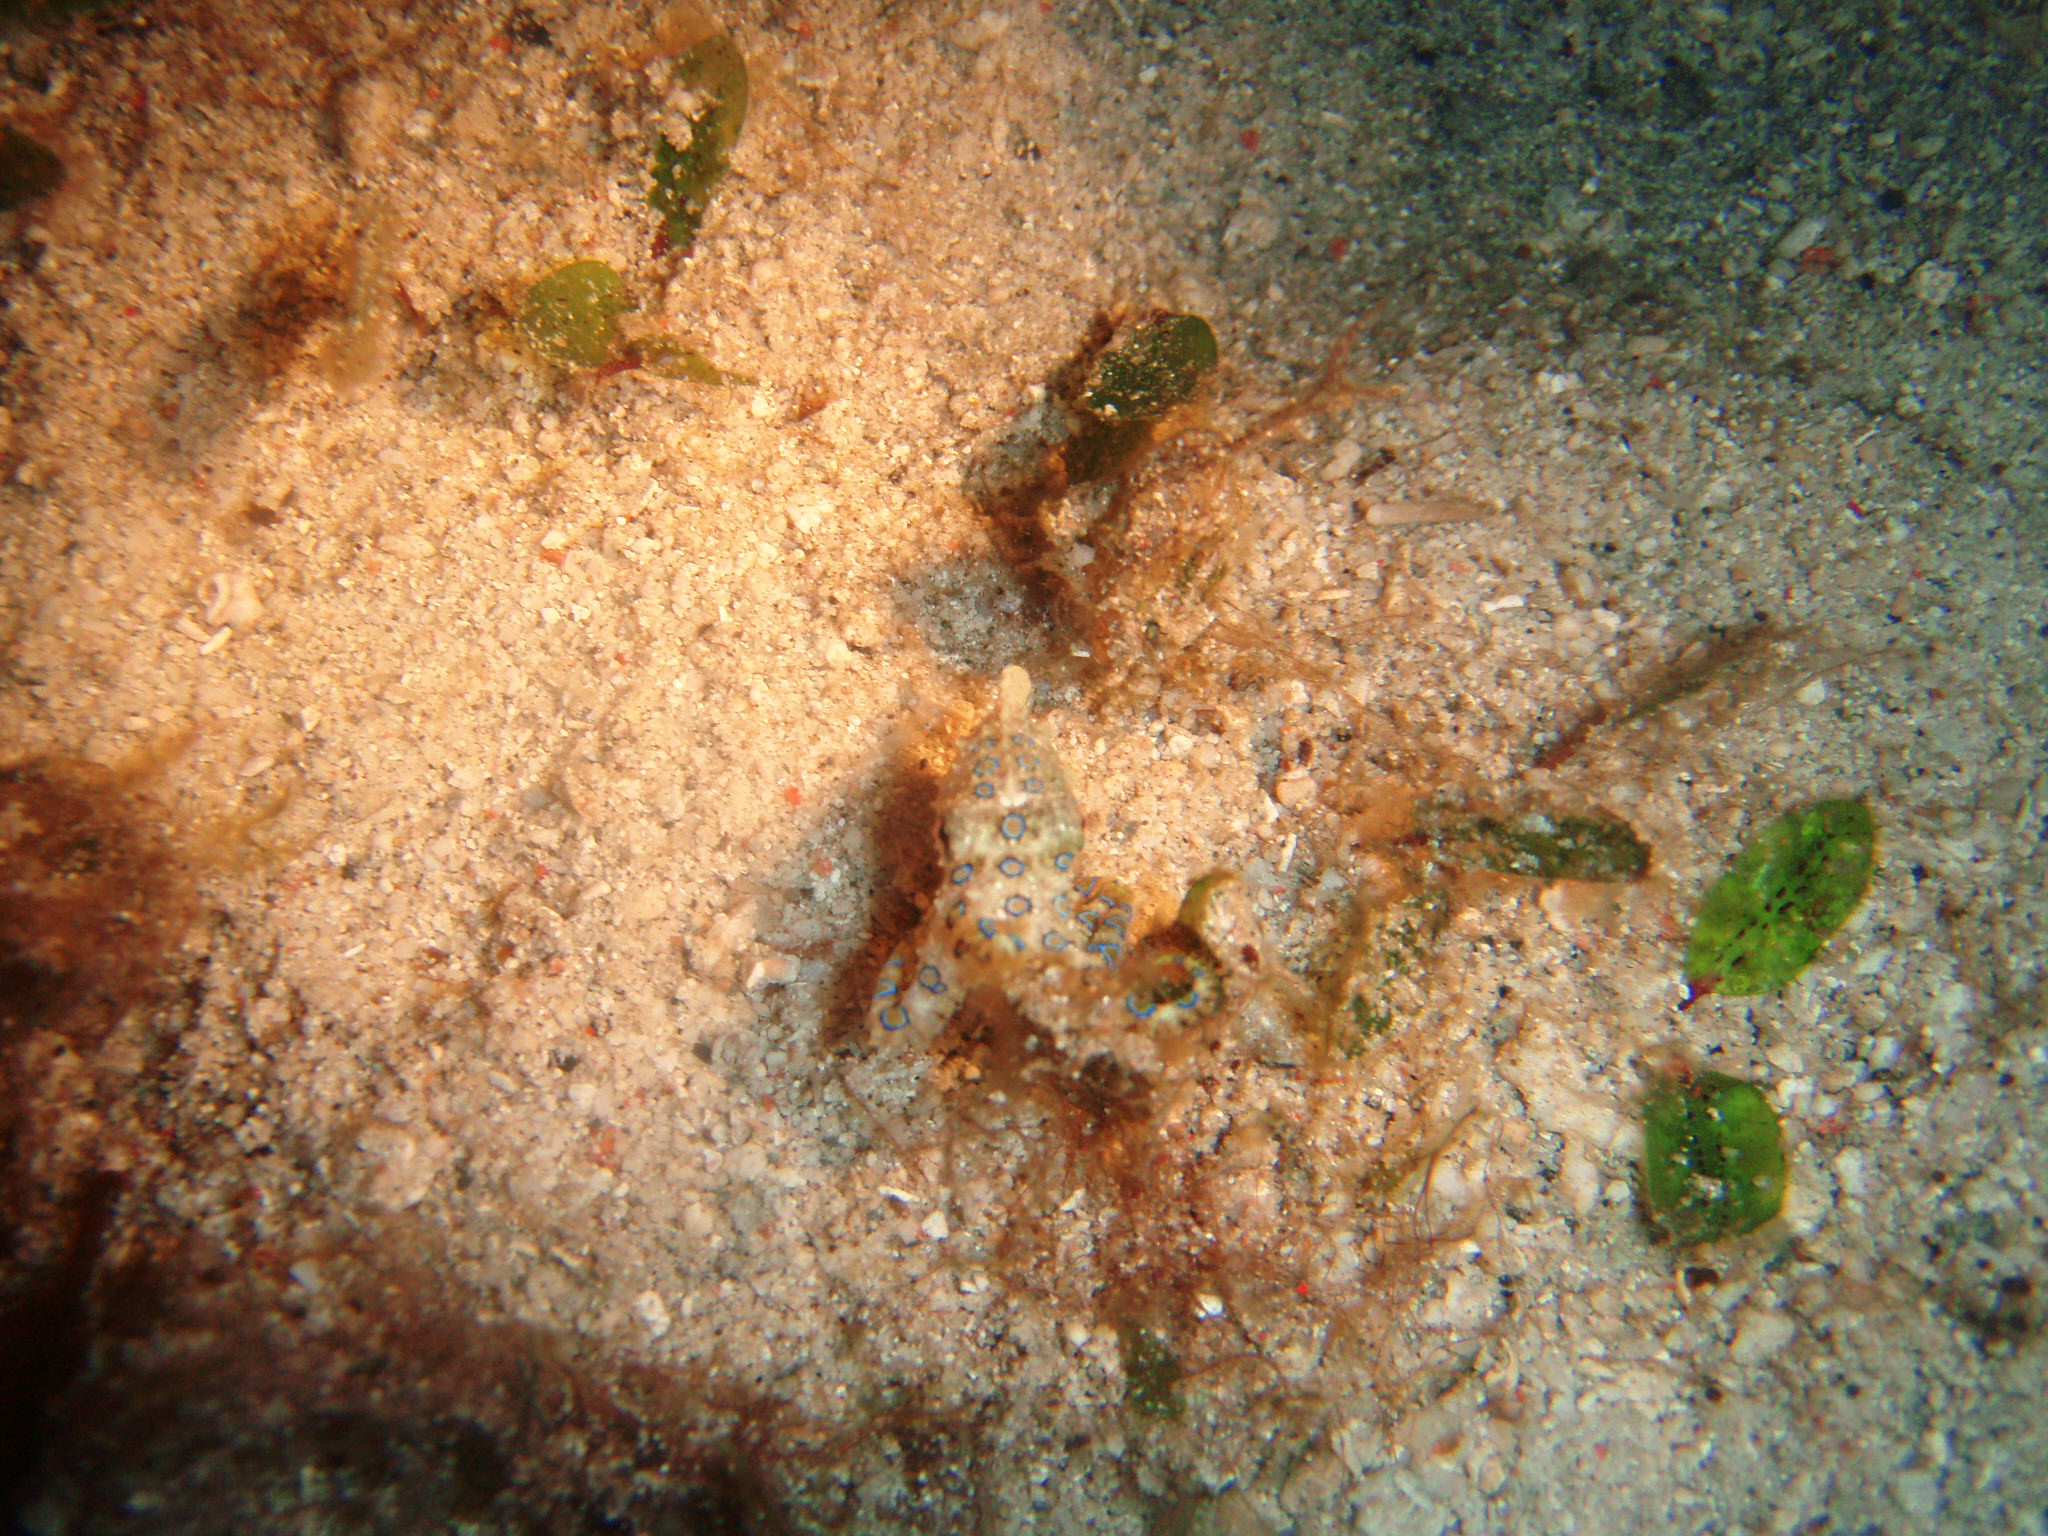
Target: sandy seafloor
{"x": 543, "y": 762}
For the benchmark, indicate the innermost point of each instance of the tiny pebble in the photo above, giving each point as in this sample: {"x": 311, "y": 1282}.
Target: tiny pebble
{"x": 1801, "y": 235}
{"x": 772, "y": 971}
{"x": 1761, "y": 1333}
{"x": 1295, "y": 790}
{"x": 652, "y": 1311}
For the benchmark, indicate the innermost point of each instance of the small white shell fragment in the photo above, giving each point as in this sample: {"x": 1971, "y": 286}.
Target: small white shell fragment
{"x": 1933, "y": 284}
{"x": 1801, "y": 235}
{"x": 772, "y": 971}
{"x": 1078, "y": 1333}
{"x": 1347, "y": 458}
{"x": 1815, "y": 692}
{"x": 935, "y": 1227}
{"x": 405, "y": 544}
{"x": 218, "y": 640}
{"x": 1760, "y": 1333}
{"x": 229, "y": 598}
{"x": 1207, "y": 1305}
{"x": 1295, "y": 790}
{"x": 1416, "y": 514}
{"x": 262, "y": 762}
{"x": 652, "y": 1311}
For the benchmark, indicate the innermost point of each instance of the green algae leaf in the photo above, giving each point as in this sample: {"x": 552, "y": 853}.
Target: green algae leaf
{"x": 571, "y": 316}
{"x": 670, "y": 359}
{"x": 1158, "y": 366}
{"x": 1713, "y": 1158}
{"x": 1152, "y": 1373}
{"x": 1792, "y": 886}
{"x": 714, "y": 75}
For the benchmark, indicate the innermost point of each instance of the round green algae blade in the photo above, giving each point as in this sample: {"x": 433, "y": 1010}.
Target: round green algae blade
{"x": 1158, "y": 366}
{"x": 1713, "y": 1158}
{"x": 571, "y": 316}
{"x": 1791, "y": 887}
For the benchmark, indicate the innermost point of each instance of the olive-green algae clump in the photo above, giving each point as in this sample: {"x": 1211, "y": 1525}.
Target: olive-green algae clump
{"x": 713, "y": 77}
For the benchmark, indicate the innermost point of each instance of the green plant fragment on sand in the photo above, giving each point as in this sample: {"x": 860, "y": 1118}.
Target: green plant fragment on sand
{"x": 1792, "y": 886}
{"x": 571, "y": 316}
{"x": 28, "y": 169}
{"x": 1390, "y": 975}
{"x": 715, "y": 72}
{"x": 1544, "y": 846}
{"x": 672, "y": 360}
{"x": 1713, "y": 1158}
{"x": 1158, "y": 366}
{"x": 1152, "y": 1373}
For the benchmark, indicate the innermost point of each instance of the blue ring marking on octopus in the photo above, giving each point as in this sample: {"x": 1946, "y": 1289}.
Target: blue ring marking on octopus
{"x": 897, "y": 1017}
{"x": 1146, "y": 1012}
{"x": 1054, "y": 940}
{"x": 930, "y": 979}
{"x": 886, "y": 989}
{"x": 1011, "y": 866}
{"x": 958, "y": 909}
{"x": 989, "y": 765}
{"x": 1013, "y": 826}
{"x": 963, "y": 874}
{"x": 987, "y": 925}
{"x": 1063, "y": 862}
{"x": 1017, "y": 906}
{"x": 984, "y": 791}
{"x": 1034, "y": 786}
